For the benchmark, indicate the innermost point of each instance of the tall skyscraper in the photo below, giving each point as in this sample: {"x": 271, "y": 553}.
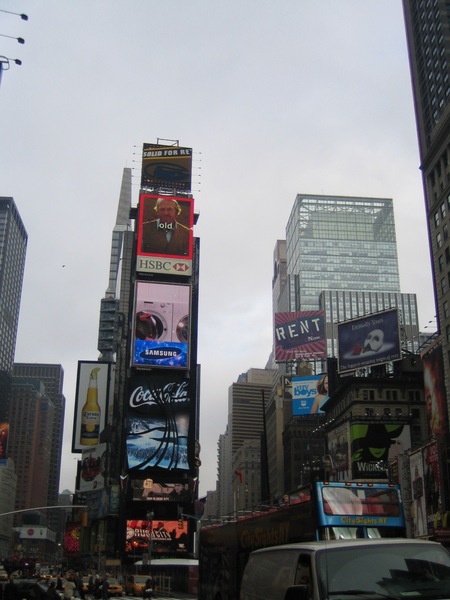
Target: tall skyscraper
{"x": 13, "y": 246}
{"x": 428, "y": 38}
{"x": 51, "y": 376}
{"x": 342, "y": 258}
{"x": 340, "y": 243}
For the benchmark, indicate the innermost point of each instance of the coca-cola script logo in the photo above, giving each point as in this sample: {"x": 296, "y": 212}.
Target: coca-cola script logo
{"x": 171, "y": 392}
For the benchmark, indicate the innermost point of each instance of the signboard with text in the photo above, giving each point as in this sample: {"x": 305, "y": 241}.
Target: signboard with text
{"x": 300, "y": 336}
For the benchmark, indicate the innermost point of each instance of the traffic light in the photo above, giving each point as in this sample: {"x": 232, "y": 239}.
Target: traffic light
{"x": 180, "y": 523}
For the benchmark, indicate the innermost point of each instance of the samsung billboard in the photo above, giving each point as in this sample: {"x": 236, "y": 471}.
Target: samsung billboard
{"x": 161, "y": 325}
{"x": 369, "y": 341}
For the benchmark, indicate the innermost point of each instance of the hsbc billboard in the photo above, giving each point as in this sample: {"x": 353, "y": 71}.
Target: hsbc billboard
{"x": 165, "y": 234}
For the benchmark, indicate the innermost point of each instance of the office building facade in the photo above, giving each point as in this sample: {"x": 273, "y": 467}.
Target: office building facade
{"x": 13, "y": 246}
{"x": 51, "y": 377}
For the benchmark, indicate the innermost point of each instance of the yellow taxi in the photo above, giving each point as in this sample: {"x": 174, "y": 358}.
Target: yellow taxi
{"x": 135, "y": 585}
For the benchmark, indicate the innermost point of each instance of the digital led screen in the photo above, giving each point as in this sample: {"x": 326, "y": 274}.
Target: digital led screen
{"x": 158, "y": 416}
{"x": 167, "y": 167}
{"x": 166, "y": 536}
{"x": 161, "y": 327}
{"x": 150, "y": 490}
{"x": 165, "y": 235}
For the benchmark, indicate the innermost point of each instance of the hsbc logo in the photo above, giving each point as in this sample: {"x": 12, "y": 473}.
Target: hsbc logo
{"x": 180, "y": 267}
{"x": 161, "y": 265}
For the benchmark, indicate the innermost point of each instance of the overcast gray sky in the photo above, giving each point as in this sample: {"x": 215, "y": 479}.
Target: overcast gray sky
{"x": 275, "y": 98}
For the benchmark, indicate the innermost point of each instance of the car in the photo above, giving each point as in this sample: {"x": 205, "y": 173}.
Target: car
{"x": 135, "y": 585}
{"x": 114, "y": 588}
{"x": 340, "y": 569}
{"x": 24, "y": 587}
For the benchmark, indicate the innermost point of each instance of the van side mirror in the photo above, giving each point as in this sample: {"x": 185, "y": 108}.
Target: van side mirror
{"x": 296, "y": 592}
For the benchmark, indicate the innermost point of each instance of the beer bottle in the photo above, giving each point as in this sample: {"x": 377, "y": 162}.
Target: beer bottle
{"x": 90, "y": 414}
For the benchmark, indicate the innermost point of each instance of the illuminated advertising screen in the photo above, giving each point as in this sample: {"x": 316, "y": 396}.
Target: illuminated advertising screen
{"x": 150, "y": 490}
{"x": 369, "y": 341}
{"x": 158, "y": 415}
{"x": 374, "y": 445}
{"x": 91, "y": 404}
{"x": 435, "y": 397}
{"x": 165, "y": 235}
{"x": 161, "y": 327}
{"x": 309, "y": 394}
{"x": 72, "y": 539}
{"x": 166, "y": 536}
{"x": 168, "y": 167}
{"x": 300, "y": 336}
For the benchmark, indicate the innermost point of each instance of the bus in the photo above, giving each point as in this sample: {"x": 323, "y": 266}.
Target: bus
{"x": 320, "y": 511}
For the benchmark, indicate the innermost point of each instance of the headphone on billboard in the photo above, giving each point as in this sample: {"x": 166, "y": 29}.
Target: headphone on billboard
{"x": 158, "y": 202}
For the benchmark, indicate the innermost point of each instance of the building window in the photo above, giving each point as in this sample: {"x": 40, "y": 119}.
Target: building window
{"x": 436, "y": 219}
{"x": 441, "y": 262}
{"x": 444, "y": 285}
{"x": 369, "y": 412}
{"x": 446, "y": 309}
{"x": 439, "y": 240}
{"x": 445, "y": 230}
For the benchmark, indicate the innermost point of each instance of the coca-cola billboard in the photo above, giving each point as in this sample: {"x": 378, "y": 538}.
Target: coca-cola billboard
{"x": 160, "y": 428}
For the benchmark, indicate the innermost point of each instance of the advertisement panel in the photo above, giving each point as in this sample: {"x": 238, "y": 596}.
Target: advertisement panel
{"x": 433, "y": 503}
{"x": 309, "y": 394}
{"x": 167, "y": 536}
{"x": 4, "y": 433}
{"x": 435, "y": 396}
{"x": 418, "y": 511}
{"x": 368, "y": 341}
{"x": 148, "y": 489}
{"x": 168, "y": 167}
{"x": 161, "y": 328}
{"x": 158, "y": 415}
{"x": 300, "y": 335}
{"x": 103, "y": 503}
{"x": 91, "y": 404}
{"x": 93, "y": 468}
{"x": 165, "y": 234}
{"x": 374, "y": 446}
{"x": 338, "y": 450}
{"x": 35, "y": 532}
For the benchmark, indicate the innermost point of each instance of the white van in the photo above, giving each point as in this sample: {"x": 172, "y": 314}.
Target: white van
{"x": 348, "y": 570}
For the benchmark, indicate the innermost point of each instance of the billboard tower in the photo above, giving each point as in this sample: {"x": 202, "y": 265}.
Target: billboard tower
{"x": 139, "y": 472}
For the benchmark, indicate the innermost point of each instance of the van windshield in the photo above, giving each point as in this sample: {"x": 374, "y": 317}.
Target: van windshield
{"x": 393, "y": 571}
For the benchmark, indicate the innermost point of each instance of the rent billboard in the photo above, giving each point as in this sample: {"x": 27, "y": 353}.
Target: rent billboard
{"x": 300, "y": 335}
{"x": 91, "y": 404}
{"x": 161, "y": 325}
{"x": 368, "y": 341}
{"x": 168, "y": 167}
{"x": 158, "y": 423}
{"x": 309, "y": 394}
{"x": 165, "y": 234}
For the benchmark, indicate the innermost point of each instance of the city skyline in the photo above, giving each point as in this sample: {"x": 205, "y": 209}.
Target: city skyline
{"x": 270, "y": 110}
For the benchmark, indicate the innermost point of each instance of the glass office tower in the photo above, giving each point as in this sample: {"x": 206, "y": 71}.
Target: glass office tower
{"x": 340, "y": 243}
{"x": 13, "y": 246}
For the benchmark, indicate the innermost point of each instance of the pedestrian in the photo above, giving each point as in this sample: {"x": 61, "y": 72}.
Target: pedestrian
{"x": 69, "y": 589}
{"x": 52, "y": 594}
{"x": 11, "y": 591}
{"x": 105, "y": 588}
